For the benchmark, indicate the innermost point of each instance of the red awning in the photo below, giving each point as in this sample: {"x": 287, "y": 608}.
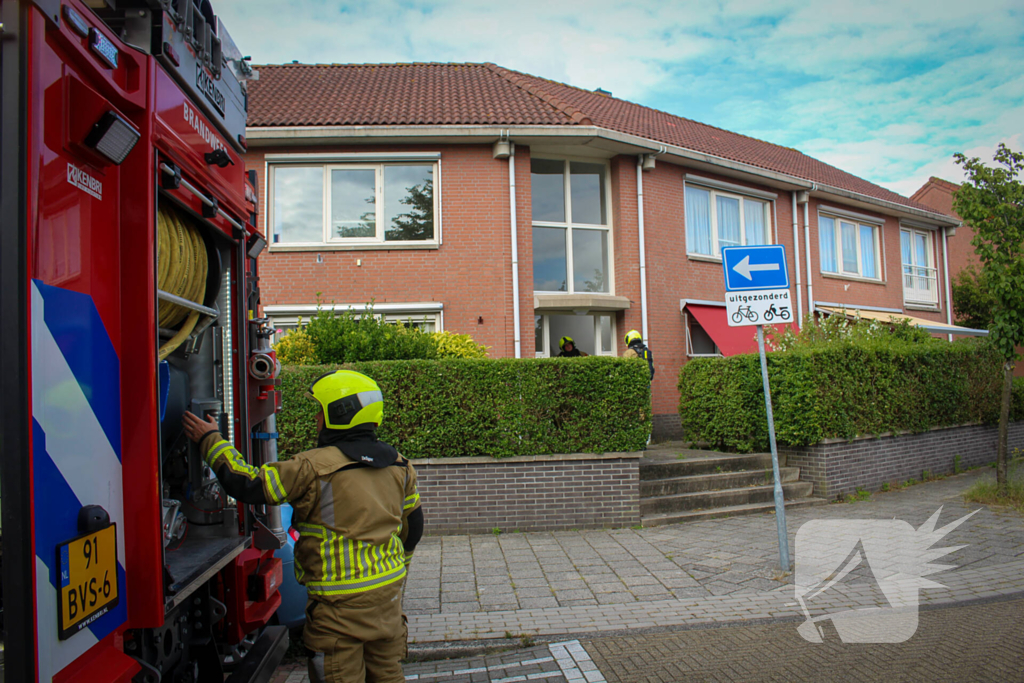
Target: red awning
{"x": 731, "y": 341}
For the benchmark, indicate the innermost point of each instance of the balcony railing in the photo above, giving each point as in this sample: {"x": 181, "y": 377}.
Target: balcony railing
{"x": 920, "y": 284}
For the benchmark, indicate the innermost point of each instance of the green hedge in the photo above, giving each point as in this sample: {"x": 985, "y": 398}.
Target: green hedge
{"x": 499, "y": 408}
{"x": 841, "y": 391}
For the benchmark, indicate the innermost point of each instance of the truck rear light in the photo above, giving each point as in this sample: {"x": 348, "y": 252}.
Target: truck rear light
{"x": 113, "y": 137}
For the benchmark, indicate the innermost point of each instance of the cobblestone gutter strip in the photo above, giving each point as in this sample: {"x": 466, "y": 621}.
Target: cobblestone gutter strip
{"x": 965, "y": 585}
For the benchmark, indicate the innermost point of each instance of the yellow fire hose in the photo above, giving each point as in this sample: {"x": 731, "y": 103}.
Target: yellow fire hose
{"x": 181, "y": 270}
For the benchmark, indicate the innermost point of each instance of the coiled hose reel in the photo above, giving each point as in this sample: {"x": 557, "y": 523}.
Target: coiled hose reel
{"x": 182, "y": 269}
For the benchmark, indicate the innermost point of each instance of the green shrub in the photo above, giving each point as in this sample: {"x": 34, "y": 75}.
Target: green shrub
{"x": 295, "y": 348}
{"x": 840, "y": 388}
{"x": 1017, "y": 399}
{"x": 451, "y": 345}
{"x": 499, "y": 408}
{"x": 344, "y": 338}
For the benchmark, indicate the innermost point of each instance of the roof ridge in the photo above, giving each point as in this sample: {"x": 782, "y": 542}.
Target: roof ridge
{"x": 515, "y": 79}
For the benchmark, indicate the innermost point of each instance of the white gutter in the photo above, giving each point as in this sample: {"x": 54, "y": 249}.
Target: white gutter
{"x": 515, "y": 248}
{"x": 945, "y": 275}
{"x": 807, "y": 247}
{"x": 799, "y": 279}
{"x": 643, "y": 253}
{"x": 264, "y": 136}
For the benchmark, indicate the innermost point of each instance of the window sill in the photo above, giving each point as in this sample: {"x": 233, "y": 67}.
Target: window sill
{"x": 854, "y": 278}
{"x": 921, "y": 307}
{"x": 704, "y": 257}
{"x": 376, "y": 246}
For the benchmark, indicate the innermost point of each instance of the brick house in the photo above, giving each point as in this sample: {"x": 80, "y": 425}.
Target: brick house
{"x": 480, "y": 200}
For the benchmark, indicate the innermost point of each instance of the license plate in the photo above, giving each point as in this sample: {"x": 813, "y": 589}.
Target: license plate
{"x": 88, "y": 580}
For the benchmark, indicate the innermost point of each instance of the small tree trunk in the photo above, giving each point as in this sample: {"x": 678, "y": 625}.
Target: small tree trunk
{"x": 1004, "y": 424}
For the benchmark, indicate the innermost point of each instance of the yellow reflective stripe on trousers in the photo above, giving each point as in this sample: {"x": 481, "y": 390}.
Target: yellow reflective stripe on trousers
{"x": 356, "y": 585}
{"x": 411, "y": 501}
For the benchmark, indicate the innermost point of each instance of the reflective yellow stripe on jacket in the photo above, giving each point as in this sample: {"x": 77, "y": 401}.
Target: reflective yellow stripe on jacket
{"x": 351, "y": 566}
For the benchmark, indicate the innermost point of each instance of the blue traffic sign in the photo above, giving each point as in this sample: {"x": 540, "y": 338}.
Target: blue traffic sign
{"x": 752, "y": 268}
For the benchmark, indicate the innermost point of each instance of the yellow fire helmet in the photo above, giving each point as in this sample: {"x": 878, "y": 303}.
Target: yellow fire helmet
{"x": 348, "y": 399}
{"x": 566, "y": 340}
{"x": 632, "y": 336}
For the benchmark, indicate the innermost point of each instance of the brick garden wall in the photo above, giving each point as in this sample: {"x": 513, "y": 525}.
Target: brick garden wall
{"x": 839, "y": 467}
{"x": 532, "y": 493}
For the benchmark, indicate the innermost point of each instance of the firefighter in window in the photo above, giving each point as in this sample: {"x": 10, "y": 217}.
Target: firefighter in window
{"x": 358, "y": 514}
{"x": 569, "y": 349}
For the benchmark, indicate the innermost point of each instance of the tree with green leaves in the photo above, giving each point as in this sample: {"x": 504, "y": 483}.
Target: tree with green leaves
{"x": 992, "y": 202}
{"x": 973, "y": 303}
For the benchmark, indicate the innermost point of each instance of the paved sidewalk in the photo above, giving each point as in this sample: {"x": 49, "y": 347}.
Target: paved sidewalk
{"x": 551, "y": 584}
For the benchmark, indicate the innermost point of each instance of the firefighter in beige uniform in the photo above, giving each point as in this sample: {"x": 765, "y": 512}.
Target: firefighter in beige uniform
{"x": 359, "y": 518}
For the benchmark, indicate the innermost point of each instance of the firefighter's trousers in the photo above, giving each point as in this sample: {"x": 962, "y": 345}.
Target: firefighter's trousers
{"x": 356, "y": 638}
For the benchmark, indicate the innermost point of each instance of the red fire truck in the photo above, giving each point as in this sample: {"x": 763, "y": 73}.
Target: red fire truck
{"x": 129, "y": 294}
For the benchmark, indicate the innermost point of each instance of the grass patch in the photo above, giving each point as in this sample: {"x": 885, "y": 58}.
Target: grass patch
{"x": 986, "y": 492}
{"x": 861, "y": 494}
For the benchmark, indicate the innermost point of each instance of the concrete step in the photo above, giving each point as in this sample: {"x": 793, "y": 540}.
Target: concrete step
{"x": 702, "y": 500}
{"x": 707, "y": 462}
{"x": 651, "y": 488}
{"x": 728, "y": 511}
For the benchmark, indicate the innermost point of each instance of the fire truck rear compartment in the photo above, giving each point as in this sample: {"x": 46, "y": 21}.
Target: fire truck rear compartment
{"x": 199, "y": 522}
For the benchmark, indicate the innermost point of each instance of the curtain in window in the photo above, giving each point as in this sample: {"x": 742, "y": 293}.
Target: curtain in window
{"x": 849, "y": 237}
{"x": 827, "y": 244}
{"x": 698, "y": 221}
{"x": 728, "y": 221}
{"x": 921, "y": 259}
{"x": 907, "y": 258}
{"x": 867, "y": 251}
{"x": 753, "y": 221}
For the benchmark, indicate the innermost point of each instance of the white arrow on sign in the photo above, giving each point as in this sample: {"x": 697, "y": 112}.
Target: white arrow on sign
{"x": 745, "y": 267}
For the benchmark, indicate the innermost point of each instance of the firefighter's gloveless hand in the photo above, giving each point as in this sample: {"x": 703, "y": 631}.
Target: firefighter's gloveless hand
{"x": 195, "y": 428}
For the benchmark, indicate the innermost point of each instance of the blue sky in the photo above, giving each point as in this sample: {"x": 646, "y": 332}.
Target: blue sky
{"x": 885, "y": 90}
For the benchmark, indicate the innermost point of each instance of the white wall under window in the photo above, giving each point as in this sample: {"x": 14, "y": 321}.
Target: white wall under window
{"x": 592, "y": 334}
{"x": 353, "y": 204}
{"x": 571, "y": 226}
{"x": 717, "y": 219}
{"x": 849, "y": 247}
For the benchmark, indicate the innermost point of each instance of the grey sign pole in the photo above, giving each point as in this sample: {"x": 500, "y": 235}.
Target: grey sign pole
{"x": 780, "y": 503}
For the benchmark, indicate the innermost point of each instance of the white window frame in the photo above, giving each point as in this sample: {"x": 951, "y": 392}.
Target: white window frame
{"x": 913, "y": 294}
{"x": 837, "y": 239}
{"x": 716, "y": 251}
{"x": 569, "y": 224}
{"x": 288, "y": 319}
{"x": 598, "y": 351}
{"x": 351, "y": 162}
{"x": 689, "y": 341}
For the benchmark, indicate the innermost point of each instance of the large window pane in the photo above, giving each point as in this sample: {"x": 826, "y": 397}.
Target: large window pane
{"x": 549, "y": 268}
{"x": 590, "y": 260}
{"x": 867, "y": 251}
{"x": 698, "y": 221}
{"x": 408, "y": 202}
{"x": 604, "y": 328}
{"x": 921, "y": 260}
{"x": 728, "y": 222}
{"x": 538, "y": 334}
{"x": 298, "y": 204}
{"x": 586, "y": 187}
{"x": 579, "y": 327}
{"x": 753, "y": 222}
{"x": 849, "y": 237}
{"x": 827, "y": 244}
{"x": 907, "y": 258}
{"x": 547, "y": 186}
{"x": 353, "y": 203}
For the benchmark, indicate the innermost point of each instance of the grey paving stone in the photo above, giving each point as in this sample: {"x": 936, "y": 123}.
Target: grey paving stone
{"x": 563, "y": 595}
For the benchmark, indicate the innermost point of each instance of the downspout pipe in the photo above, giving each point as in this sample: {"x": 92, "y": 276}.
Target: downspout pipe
{"x": 515, "y": 248}
{"x": 805, "y": 199}
{"x": 945, "y": 276}
{"x": 643, "y": 252}
{"x": 796, "y": 263}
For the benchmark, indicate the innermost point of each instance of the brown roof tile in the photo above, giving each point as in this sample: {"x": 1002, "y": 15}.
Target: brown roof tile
{"x": 487, "y": 94}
